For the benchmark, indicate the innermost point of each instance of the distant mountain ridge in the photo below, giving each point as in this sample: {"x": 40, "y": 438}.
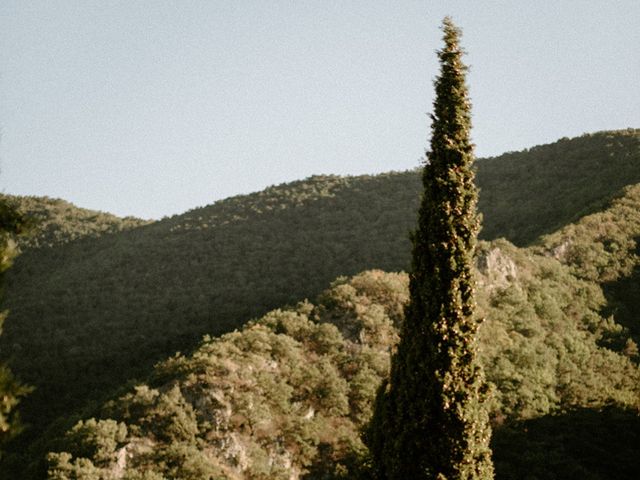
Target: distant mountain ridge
{"x": 92, "y": 311}
{"x": 560, "y": 182}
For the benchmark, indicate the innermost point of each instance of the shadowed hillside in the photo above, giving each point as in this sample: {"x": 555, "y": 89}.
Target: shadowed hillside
{"x": 286, "y": 397}
{"x": 582, "y": 444}
{"x": 604, "y": 247}
{"x": 526, "y": 194}
{"x": 89, "y": 314}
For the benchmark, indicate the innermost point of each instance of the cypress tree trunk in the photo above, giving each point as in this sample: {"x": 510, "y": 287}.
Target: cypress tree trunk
{"x": 429, "y": 421}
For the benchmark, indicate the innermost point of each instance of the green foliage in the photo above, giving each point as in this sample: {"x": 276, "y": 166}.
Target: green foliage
{"x": 601, "y": 247}
{"x": 541, "y": 342}
{"x": 95, "y": 300}
{"x": 604, "y": 247}
{"x": 287, "y": 394}
{"x": 96, "y": 451}
{"x": 537, "y": 191}
{"x": 117, "y": 299}
{"x": 64, "y": 467}
{"x": 430, "y": 421}
{"x": 55, "y": 222}
{"x": 97, "y": 439}
{"x": 11, "y": 391}
{"x": 164, "y": 416}
{"x": 290, "y": 393}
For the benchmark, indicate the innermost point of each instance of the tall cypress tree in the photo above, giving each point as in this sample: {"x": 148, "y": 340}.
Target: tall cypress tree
{"x": 429, "y": 420}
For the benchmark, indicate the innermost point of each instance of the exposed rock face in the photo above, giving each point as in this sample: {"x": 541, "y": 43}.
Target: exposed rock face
{"x": 559, "y": 252}
{"x": 497, "y": 269}
{"x": 121, "y": 462}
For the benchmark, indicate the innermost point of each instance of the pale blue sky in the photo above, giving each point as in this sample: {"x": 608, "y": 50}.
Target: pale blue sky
{"x": 150, "y": 108}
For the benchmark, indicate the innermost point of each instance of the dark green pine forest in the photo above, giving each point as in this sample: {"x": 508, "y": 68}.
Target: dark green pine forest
{"x": 284, "y": 305}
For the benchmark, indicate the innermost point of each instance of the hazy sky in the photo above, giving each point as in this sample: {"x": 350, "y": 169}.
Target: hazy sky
{"x": 150, "y": 108}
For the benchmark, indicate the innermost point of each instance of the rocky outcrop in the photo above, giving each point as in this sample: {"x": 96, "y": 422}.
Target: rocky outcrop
{"x": 496, "y": 268}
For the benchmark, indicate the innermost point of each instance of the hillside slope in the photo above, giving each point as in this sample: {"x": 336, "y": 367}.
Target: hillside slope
{"x": 527, "y": 194}
{"x": 604, "y": 247}
{"x": 55, "y": 222}
{"x": 90, "y": 314}
{"x": 287, "y": 397}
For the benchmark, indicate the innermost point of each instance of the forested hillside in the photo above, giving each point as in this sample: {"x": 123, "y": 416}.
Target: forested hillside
{"x": 91, "y": 311}
{"x": 55, "y": 222}
{"x": 287, "y": 396}
{"x": 537, "y": 191}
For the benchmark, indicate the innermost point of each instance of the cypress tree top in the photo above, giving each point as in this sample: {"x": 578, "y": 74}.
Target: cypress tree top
{"x": 429, "y": 421}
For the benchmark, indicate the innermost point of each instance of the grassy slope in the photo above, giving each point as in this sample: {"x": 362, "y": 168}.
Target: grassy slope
{"x": 117, "y": 303}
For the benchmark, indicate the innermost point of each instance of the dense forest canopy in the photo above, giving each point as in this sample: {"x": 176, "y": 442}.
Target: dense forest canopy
{"x": 95, "y": 301}
{"x": 55, "y": 221}
{"x": 287, "y": 396}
